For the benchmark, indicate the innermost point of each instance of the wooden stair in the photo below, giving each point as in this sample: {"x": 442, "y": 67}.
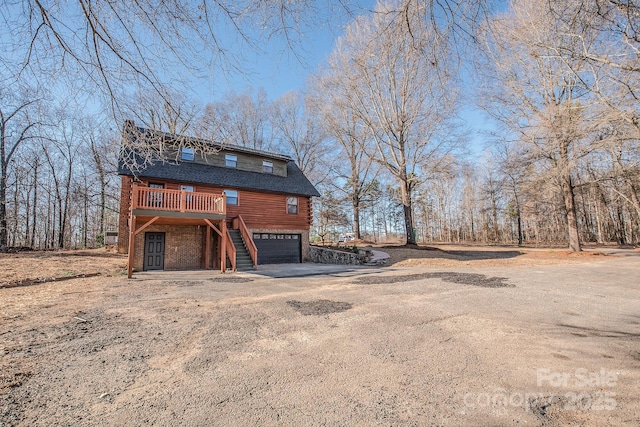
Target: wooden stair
{"x": 243, "y": 259}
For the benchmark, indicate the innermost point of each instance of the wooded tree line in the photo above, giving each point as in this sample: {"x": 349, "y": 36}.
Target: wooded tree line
{"x": 59, "y": 176}
{"x": 559, "y": 80}
{"x": 378, "y": 130}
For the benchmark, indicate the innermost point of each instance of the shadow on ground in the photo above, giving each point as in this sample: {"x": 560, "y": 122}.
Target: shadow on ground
{"x": 460, "y": 255}
{"x": 485, "y": 254}
{"x": 309, "y": 269}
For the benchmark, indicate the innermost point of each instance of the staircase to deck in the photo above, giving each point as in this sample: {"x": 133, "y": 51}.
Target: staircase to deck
{"x": 243, "y": 259}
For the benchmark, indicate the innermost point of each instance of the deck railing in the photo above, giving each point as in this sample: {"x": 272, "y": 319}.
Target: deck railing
{"x": 160, "y": 199}
{"x": 231, "y": 250}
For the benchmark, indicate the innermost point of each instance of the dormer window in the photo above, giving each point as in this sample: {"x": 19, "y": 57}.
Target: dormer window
{"x": 231, "y": 160}
{"x": 187, "y": 154}
{"x": 267, "y": 167}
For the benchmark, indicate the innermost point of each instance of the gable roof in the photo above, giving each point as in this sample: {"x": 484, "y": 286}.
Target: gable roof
{"x": 197, "y": 173}
{"x": 133, "y": 132}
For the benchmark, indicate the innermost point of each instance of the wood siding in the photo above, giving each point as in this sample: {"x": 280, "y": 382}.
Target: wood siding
{"x": 246, "y": 162}
{"x": 260, "y": 210}
{"x": 269, "y": 210}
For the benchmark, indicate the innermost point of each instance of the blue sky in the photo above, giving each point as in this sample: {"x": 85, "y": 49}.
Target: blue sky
{"x": 278, "y": 70}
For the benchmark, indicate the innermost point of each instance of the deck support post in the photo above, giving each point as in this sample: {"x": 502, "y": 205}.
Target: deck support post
{"x": 207, "y": 248}
{"x": 223, "y": 251}
{"x": 132, "y": 245}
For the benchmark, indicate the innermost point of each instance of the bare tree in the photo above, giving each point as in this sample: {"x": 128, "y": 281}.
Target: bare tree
{"x": 239, "y": 119}
{"x": 513, "y": 169}
{"x": 120, "y": 48}
{"x": 100, "y": 156}
{"x": 120, "y": 44}
{"x": 16, "y": 127}
{"x": 61, "y": 149}
{"x": 540, "y": 99}
{"x": 329, "y": 216}
{"x": 393, "y": 74}
{"x": 175, "y": 114}
{"x": 353, "y": 170}
{"x": 301, "y": 134}
{"x": 606, "y": 35}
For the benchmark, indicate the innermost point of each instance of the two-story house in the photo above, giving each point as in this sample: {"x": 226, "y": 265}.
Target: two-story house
{"x": 203, "y": 209}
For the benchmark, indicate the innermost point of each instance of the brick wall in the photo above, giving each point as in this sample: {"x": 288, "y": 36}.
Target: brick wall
{"x": 184, "y": 247}
{"x": 125, "y": 202}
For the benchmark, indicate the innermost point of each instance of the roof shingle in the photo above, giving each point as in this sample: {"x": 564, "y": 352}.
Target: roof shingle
{"x": 196, "y": 173}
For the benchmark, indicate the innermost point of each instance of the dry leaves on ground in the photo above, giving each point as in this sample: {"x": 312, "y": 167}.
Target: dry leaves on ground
{"x": 39, "y": 265}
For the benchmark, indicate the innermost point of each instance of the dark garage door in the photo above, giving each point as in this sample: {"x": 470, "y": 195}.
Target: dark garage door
{"x": 277, "y": 248}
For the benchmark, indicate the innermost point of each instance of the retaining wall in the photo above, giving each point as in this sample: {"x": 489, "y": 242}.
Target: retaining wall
{"x": 330, "y": 256}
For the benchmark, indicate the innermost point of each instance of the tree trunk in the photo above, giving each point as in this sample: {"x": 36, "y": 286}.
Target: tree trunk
{"x": 35, "y": 206}
{"x": 408, "y": 212}
{"x": 47, "y": 226}
{"x": 518, "y": 216}
{"x": 85, "y": 231}
{"x": 103, "y": 206}
{"x": 103, "y": 185}
{"x": 14, "y": 229}
{"x": 473, "y": 230}
{"x": 494, "y": 219}
{"x": 570, "y": 208}
{"x": 620, "y": 228}
{"x": 519, "y": 229}
{"x": 61, "y": 225}
{"x": 27, "y": 217}
{"x": 599, "y": 238}
{"x": 356, "y": 217}
{"x": 3, "y": 210}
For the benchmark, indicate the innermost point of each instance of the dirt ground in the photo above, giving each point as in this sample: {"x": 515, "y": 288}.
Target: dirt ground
{"x": 42, "y": 266}
{"x": 488, "y": 256}
{"x": 455, "y": 336}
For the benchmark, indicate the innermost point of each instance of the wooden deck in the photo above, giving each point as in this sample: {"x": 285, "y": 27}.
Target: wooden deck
{"x": 164, "y": 201}
{"x": 164, "y": 206}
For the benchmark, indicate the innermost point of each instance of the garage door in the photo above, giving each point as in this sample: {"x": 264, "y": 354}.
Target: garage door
{"x": 277, "y": 248}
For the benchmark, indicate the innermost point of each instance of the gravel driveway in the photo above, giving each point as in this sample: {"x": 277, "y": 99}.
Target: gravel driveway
{"x": 519, "y": 345}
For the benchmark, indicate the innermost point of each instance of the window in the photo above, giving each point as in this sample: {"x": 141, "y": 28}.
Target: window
{"x": 155, "y": 199}
{"x": 188, "y": 154}
{"x": 189, "y": 189}
{"x": 231, "y": 160}
{"x": 267, "y": 167}
{"x": 232, "y": 197}
{"x": 292, "y": 205}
